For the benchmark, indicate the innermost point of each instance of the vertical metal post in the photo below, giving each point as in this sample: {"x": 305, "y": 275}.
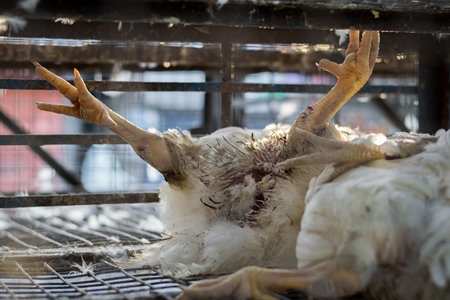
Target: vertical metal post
{"x": 433, "y": 92}
{"x": 227, "y": 74}
{"x": 212, "y": 109}
{"x": 238, "y": 116}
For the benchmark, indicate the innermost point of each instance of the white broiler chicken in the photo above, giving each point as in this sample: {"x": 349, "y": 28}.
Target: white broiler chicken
{"x": 233, "y": 199}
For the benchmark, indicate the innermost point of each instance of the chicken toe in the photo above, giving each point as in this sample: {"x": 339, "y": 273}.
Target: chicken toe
{"x": 151, "y": 147}
{"x": 352, "y": 74}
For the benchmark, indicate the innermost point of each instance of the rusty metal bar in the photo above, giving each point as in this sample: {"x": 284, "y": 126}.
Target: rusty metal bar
{"x": 227, "y": 74}
{"x": 139, "y": 33}
{"x": 60, "y": 139}
{"x": 63, "y": 172}
{"x": 420, "y": 16}
{"x": 77, "y": 199}
{"x": 212, "y": 87}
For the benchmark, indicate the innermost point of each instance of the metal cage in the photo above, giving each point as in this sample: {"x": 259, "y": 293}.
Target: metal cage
{"x": 53, "y": 255}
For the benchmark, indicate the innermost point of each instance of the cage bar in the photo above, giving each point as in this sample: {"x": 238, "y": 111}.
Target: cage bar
{"x": 77, "y": 199}
{"x": 210, "y": 87}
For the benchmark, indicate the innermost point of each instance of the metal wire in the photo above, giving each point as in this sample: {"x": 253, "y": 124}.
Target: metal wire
{"x": 61, "y": 232}
{"x": 52, "y": 254}
{"x": 17, "y": 240}
{"x": 77, "y": 199}
{"x": 6, "y": 288}
{"x": 34, "y": 233}
{"x": 81, "y": 291}
{"x": 101, "y": 279}
{"x": 151, "y": 289}
{"x": 45, "y": 291}
{"x": 218, "y": 87}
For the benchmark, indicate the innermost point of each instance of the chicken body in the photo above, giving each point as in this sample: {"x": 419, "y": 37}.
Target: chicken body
{"x": 388, "y": 222}
{"x": 381, "y": 228}
{"x": 236, "y": 207}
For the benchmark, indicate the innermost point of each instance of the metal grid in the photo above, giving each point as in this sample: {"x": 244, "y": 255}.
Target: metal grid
{"x": 51, "y": 254}
{"x": 64, "y": 252}
{"x": 62, "y": 256}
{"x": 50, "y": 281}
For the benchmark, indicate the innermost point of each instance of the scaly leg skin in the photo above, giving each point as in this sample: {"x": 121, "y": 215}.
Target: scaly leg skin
{"x": 352, "y": 74}
{"x": 262, "y": 283}
{"x": 344, "y": 155}
{"x": 151, "y": 147}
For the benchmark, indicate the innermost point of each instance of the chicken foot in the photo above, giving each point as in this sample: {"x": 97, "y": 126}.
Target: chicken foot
{"x": 351, "y": 75}
{"x": 262, "y": 283}
{"x": 151, "y": 147}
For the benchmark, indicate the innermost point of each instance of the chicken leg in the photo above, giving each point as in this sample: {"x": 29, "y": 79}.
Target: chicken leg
{"x": 352, "y": 74}
{"x": 345, "y": 155}
{"x": 151, "y": 147}
{"x": 261, "y": 283}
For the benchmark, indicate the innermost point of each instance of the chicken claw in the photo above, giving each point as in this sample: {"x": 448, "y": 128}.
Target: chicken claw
{"x": 85, "y": 106}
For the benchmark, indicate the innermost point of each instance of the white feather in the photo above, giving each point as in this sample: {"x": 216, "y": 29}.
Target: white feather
{"x": 343, "y": 35}
{"x": 28, "y": 5}
{"x": 393, "y": 214}
{"x": 13, "y": 24}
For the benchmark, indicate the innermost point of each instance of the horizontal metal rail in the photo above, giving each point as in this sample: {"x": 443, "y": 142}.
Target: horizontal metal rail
{"x": 77, "y": 199}
{"x": 212, "y": 87}
{"x": 414, "y": 16}
{"x": 60, "y": 139}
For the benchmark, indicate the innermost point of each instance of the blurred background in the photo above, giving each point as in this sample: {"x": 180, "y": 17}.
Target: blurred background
{"x": 112, "y": 42}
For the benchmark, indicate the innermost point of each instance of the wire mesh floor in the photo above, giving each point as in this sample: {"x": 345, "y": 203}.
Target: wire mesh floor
{"x": 33, "y": 280}
{"x": 66, "y": 252}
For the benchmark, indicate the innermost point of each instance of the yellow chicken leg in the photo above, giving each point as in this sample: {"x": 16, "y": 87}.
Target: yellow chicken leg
{"x": 151, "y": 147}
{"x": 352, "y": 74}
{"x": 262, "y": 283}
{"x": 345, "y": 155}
